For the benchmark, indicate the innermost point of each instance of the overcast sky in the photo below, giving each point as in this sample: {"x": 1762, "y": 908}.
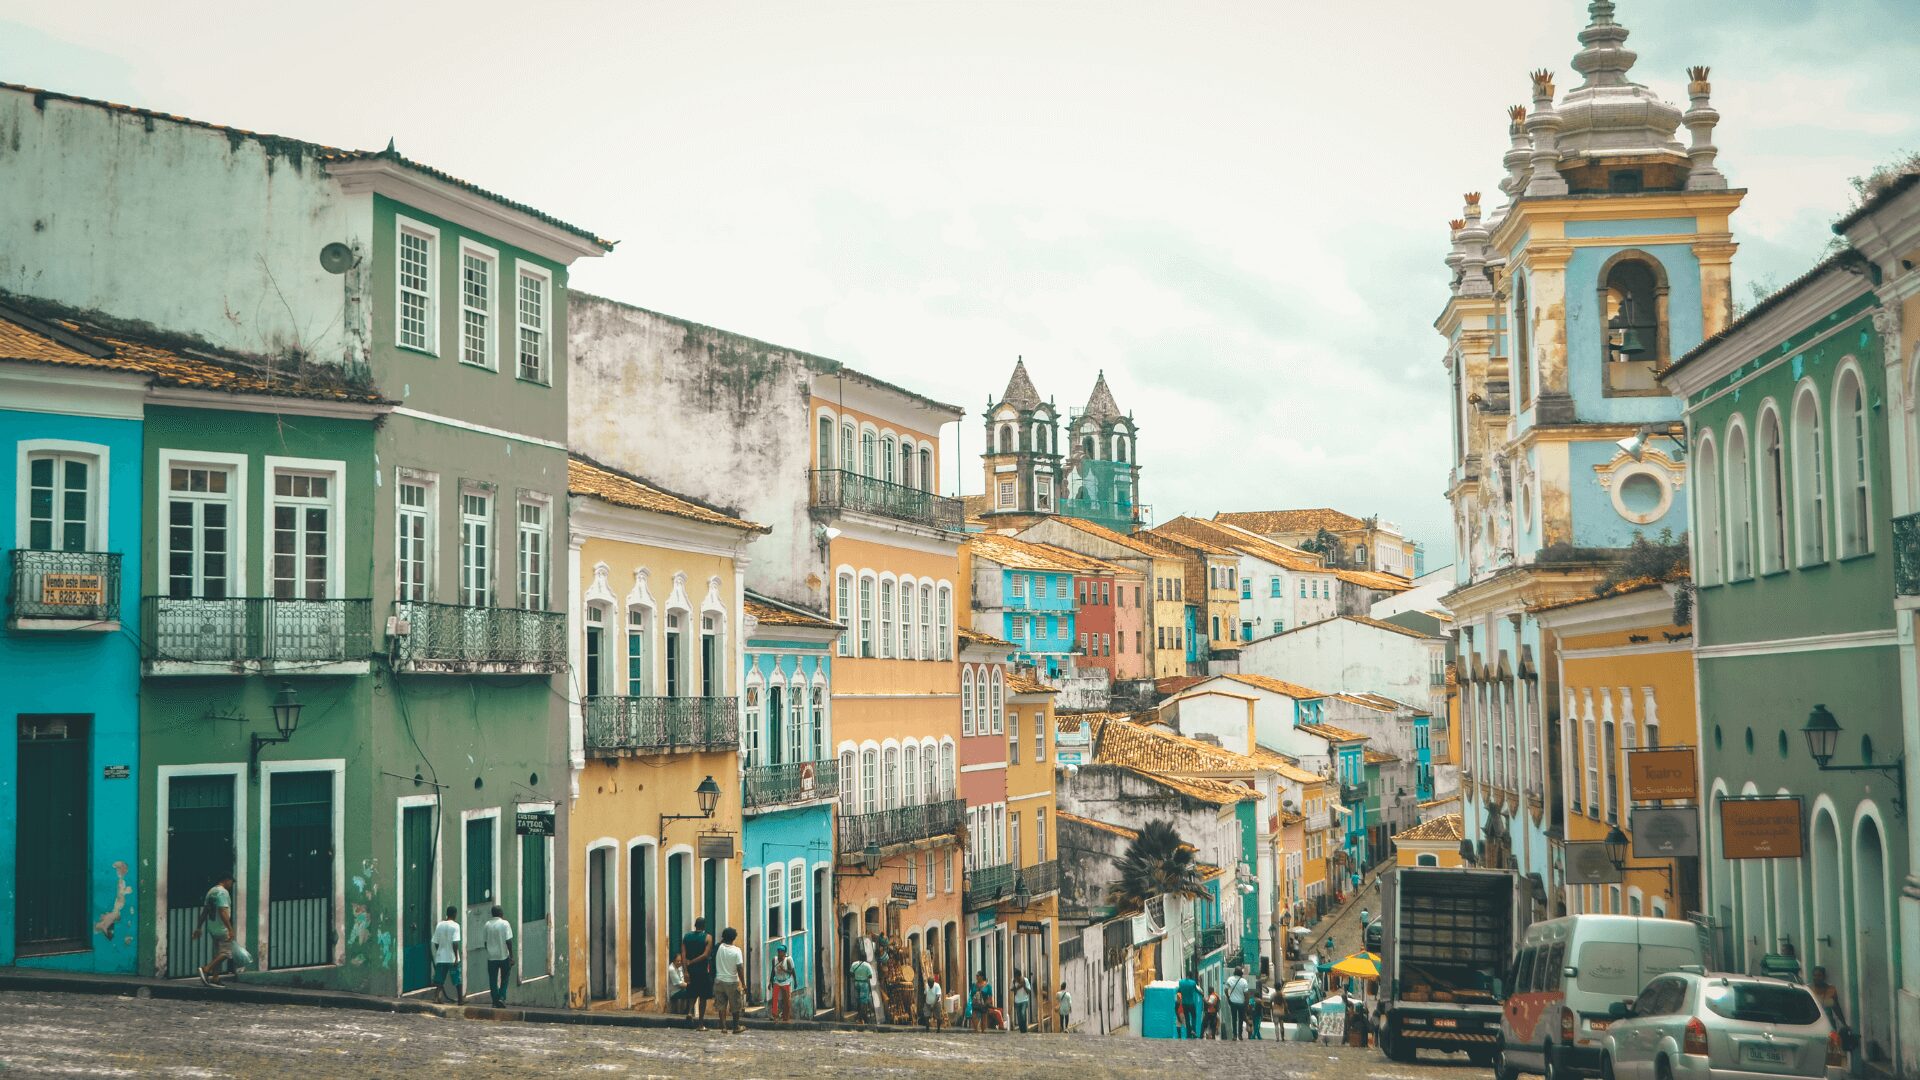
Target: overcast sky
{"x": 1237, "y": 210}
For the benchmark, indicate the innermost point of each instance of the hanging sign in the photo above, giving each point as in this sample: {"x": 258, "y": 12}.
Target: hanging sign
{"x": 1766, "y": 828}
{"x": 71, "y": 590}
{"x": 715, "y": 845}
{"x": 1029, "y": 926}
{"x": 1588, "y": 864}
{"x": 906, "y": 890}
{"x": 806, "y": 779}
{"x": 1665, "y": 832}
{"x": 118, "y": 772}
{"x": 533, "y": 823}
{"x": 1660, "y": 773}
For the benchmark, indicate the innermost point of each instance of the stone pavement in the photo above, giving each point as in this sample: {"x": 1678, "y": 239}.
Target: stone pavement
{"x": 113, "y": 1036}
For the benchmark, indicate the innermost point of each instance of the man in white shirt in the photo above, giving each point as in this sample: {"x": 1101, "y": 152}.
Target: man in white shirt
{"x": 1237, "y": 989}
{"x": 498, "y": 935}
{"x": 729, "y": 963}
{"x": 446, "y": 957}
{"x": 935, "y": 1002}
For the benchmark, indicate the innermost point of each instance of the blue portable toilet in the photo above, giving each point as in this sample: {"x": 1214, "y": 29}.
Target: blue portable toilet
{"x": 1156, "y": 1010}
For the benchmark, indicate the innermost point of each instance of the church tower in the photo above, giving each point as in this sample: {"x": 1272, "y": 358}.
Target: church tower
{"x": 1022, "y": 460}
{"x": 1103, "y": 471}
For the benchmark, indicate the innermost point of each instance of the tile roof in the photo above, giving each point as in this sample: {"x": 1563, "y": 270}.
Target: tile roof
{"x": 1173, "y": 684}
{"x": 1277, "y": 686}
{"x": 1218, "y": 792}
{"x": 1331, "y": 732}
{"x": 975, "y": 637}
{"x": 1382, "y": 624}
{"x": 1378, "y": 757}
{"x": 1118, "y": 741}
{"x": 590, "y": 478}
{"x": 1820, "y": 269}
{"x": 278, "y": 144}
{"x": 1622, "y": 588}
{"x": 1291, "y": 817}
{"x": 1377, "y": 580}
{"x": 1243, "y": 541}
{"x": 1286, "y": 766}
{"x": 1070, "y": 723}
{"x": 1124, "y": 540}
{"x": 1208, "y": 871}
{"x": 1117, "y": 830}
{"x": 1019, "y": 682}
{"x": 1442, "y": 801}
{"x": 769, "y": 612}
{"x": 1444, "y": 827}
{"x": 71, "y": 342}
{"x": 1368, "y": 701}
{"x": 1100, "y": 404}
{"x": 1182, "y": 544}
{"x": 1293, "y": 521}
{"x": 1022, "y": 554}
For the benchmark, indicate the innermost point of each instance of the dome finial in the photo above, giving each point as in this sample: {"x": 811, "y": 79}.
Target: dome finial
{"x": 1603, "y": 57}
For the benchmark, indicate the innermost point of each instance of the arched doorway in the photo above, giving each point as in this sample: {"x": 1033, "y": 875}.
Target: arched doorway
{"x": 1873, "y": 942}
{"x": 1827, "y": 948}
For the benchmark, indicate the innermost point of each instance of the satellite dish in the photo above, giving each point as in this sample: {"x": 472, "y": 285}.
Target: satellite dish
{"x": 338, "y": 258}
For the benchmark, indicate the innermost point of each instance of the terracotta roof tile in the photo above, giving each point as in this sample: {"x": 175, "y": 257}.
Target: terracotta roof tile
{"x": 1245, "y": 542}
{"x": 1183, "y": 544}
{"x": 1377, "y": 580}
{"x": 593, "y": 479}
{"x": 1028, "y": 555}
{"x": 768, "y": 612}
{"x": 1286, "y": 766}
{"x": 1019, "y": 682}
{"x": 1117, "y": 830}
{"x": 975, "y": 637}
{"x": 1124, "y": 540}
{"x": 1332, "y": 733}
{"x": 1276, "y": 686}
{"x": 1173, "y": 684}
{"x": 1219, "y": 792}
{"x": 1444, "y": 827}
{"x": 1293, "y": 521}
{"x": 1378, "y": 757}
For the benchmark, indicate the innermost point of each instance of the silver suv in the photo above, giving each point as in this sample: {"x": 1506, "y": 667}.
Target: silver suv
{"x": 1689, "y": 1026}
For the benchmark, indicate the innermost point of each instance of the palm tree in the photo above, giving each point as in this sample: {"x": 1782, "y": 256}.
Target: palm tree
{"x": 1156, "y": 862}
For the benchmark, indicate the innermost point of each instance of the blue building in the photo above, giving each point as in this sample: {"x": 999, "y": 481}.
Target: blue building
{"x": 69, "y": 788}
{"x": 787, "y": 831}
{"x": 1023, "y": 593}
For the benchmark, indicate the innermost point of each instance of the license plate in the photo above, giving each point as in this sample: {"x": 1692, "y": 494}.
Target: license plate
{"x": 1446, "y": 1022}
{"x": 1599, "y": 1025}
{"x": 1772, "y": 1055}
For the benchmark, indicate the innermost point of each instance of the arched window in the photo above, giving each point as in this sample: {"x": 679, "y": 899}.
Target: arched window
{"x": 1850, "y": 468}
{"x": 868, "y": 466}
{"x": 1809, "y": 480}
{"x": 887, "y": 459}
{"x": 826, "y": 444}
{"x": 846, "y": 446}
{"x": 1706, "y": 472}
{"x": 846, "y": 781}
{"x": 1633, "y": 301}
{"x": 866, "y": 617}
{"x": 640, "y": 651}
{"x": 751, "y": 751}
{"x": 947, "y": 777}
{"x": 910, "y": 775}
{"x": 906, "y": 620}
{"x": 1773, "y": 492}
{"x": 946, "y": 621}
{"x": 1086, "y": 445}
{"x": 796, "y": 748}
{"x": 843, "y": 609}
{"x": 926, "y": 469}
{"x": 966, "y": 700}
{"x": 1038, "y": 437}
{"x": 926, "y": 622}
{"x": 999, "y": 703}
{"x": 906, "y": 462}
{"x": 869, "y": 780}
{"x": 890, "y": 778}
{"x": 886, "y": 618}
{"x": 1520, "y": 320}
{"x": 1119, "y": 448}
{"x": 1426, "y": 860}
{"x": 599, "y": 656}
{"x": 1739, "y": 482}
{"x": 1003, "y": 439}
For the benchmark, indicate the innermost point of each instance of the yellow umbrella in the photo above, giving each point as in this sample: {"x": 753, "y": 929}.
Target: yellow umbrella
{"x": 1362, "y": 965}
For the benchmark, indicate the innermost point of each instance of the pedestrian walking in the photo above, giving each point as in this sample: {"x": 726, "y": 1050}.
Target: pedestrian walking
{"x": 1237, "y": 988}
{"x": 1210, "y": 1026}
{"x": 931, "y": 1002}
{"x": 980, "y": 1002}
{"x": 697, "y": 946}
{"x": 1022, "y": 1001}
{"x": 1257, "y": 1008}
{"x": 216, "y": 919}
{"x": 498, "y": 934}
{"x": 861, "y": 972}
{"x": 780, "y": 1007}
{"x": 1187, "y": 1012}
{"x": 729, "y": 963}
{"x": 446, "y": 957}
{"x": 1066, "y": 1008}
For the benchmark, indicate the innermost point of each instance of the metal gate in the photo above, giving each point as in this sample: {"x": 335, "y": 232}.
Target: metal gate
{"x": 416, "y": 890}
{"x": 300, "y": 872}
{"x": 199, "y": 851}
{"x": 534, "y": 960}
{"x": 50, "y": 886}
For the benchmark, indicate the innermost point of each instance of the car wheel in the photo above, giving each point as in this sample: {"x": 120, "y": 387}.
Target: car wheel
{"x": 1606, "y": 1067}
{"x": 1485, "y": 1059}
{"x": 1395, "y": 1047}
{"x": 1663, "y": 1069}
{"x": 1549, "y": 1068}
{"x": 1501, "y": 1070}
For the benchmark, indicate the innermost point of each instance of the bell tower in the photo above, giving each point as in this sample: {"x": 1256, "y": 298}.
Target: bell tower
{"x": 1022, "y": 460}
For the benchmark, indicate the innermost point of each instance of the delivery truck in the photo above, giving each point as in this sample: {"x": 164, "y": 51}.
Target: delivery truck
{"x": 1448, "y": 937}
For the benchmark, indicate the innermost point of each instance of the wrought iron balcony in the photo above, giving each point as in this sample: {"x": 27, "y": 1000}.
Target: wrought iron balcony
{"x": 1041, "y": 878}
{"x": 1352, "y": 795}
{"x": 900, "y": 825}
{"x": 189, "y": 635}
{"x": 624, "y": 726}
{"x": 988, "y": 885}
{"x": 60, "y": 590}
{"x": 842, "y": 490}
{"x": 456, "y": 639}
{"x": 795, "y": 781}
{"x": 1211, "y": 938}
{"x": 1906, "y": 555}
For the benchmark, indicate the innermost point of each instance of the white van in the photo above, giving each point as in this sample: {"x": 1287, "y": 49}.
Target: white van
{"x": 1566, "y": 978}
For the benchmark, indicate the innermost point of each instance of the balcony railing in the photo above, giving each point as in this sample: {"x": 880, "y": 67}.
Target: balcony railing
{"x": 795, "y": 781}
{"x": 1211, "y": 938}
{"x": 622, "y": 726}
{"x": 900, "y": 825}
{"x": 457, "y": 639}
{"x": 988, "y": 885}
{"x": 1906, "y": 555}
{"x": 239, "y": 631}
{"x": 1352, "y": 795}
{"x": 64, "y": 587}
{"x": 844, "y": 490}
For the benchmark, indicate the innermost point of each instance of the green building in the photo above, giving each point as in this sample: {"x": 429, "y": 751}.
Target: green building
{"x": 352, "y": 624}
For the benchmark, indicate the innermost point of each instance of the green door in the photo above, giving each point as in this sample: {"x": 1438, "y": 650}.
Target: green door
{"x": 199, "y": 851}
{"x": 677, "y": 918}
{"x": 50, "y": 889}
{"x": 416, "y": 904}
{"x": 300, "y": 870}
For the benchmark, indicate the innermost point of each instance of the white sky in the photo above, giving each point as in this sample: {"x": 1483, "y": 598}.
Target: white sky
{"x": 1238, "y": 210}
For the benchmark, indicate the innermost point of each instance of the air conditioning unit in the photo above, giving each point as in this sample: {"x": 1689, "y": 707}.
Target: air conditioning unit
{"x": 399, "y": 626}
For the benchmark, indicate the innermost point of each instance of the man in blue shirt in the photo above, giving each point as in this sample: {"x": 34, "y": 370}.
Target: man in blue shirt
{"x": 1189, "y": 993}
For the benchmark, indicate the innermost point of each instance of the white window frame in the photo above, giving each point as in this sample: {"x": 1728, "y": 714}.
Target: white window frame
{"x": 523, "y": 270}
{"x": 844, "y": 589}
{"x": 520, "y": 894}
{"x": 263, "y": 893}
{"x": 467, "y": 939}
{"x": 886, "y": 641}
{"x": 420, "y": 229}
{"x": 236, "y": 464}
{"x": 336, "y": 474}
{"x": 1706, "y": 544}
{"x": 401, "y": 805}
{"x": 945, "y": 596}
{"x": 490, "y": 546}
{"x": 1851, "y": 471}
{"x": 521, "y": 530}
{"x": 490, "y": 338}
{"x": 429, "y": 516}
{"x": 1737, "y": 475}
{"x": 26, "y": 450}
{"x": 1810, "y": 463}
{"x": 162, "y": 789}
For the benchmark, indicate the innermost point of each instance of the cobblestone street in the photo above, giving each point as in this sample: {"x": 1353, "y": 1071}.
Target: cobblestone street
{"x": 85, "y": 1035}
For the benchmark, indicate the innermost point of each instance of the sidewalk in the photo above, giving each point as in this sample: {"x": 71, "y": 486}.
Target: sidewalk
{"x": 238, "y": 990}
{"x": 1344, "y": 923}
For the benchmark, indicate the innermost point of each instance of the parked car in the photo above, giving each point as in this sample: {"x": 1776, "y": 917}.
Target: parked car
{"x": 1689, "y": 1026}
{"x": 1568, "y": 975}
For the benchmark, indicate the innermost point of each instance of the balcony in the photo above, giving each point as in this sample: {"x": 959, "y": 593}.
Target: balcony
{"x": 1041, "y": 878}
{"x": 452, "y": 639}
{"x": 768, "y": 786}
{"x": 64, "y": 590}
{"x": 1352, "y": 795}
{"x": 626, "y": 726}
{"x": 1212, "y": 938}
{"x": 1906, "y": 555}
{"x": 900, "y": 825}
{"x": 841, "y": 490}
{"x": 988, "y": 885}
{"x": 242, "y": 635}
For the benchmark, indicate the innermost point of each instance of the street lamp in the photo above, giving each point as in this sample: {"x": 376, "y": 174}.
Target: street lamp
{"x": 1823, "y": 737}
{"x": 869, "y": 863}
{"x": 1021, "y": 897}
{"x": 286, "y": 720}
{"x": 1466, "y": 851}
{"x": 708, "y": 794}
{"x": 1616, "y": 843}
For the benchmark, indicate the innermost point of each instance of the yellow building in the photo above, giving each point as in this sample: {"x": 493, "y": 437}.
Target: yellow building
{"x": 1032, "y": 822}
{"x": 1307, "y": 791}
{"x": 1212, "y": 586}
{"x": 1626, "y": 682}
{"x": 655, "y": 615}
{"x": 1435, "y": 842}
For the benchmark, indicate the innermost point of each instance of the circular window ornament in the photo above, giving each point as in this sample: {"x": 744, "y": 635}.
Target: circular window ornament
{"x": 1642, "y": 492}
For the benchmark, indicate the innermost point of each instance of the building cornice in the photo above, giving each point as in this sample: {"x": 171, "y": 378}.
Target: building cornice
{"x": 1818, "y": 298}
{"x": 592, "y": 518}
{"x": 75, "y": 391}
{"x": 1632, "y": 611}
{"x": 264, "y": 403}
{"x": 415, "y": 189}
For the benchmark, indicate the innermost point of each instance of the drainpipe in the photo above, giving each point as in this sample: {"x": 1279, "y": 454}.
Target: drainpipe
{"x": 576, "y": 693}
